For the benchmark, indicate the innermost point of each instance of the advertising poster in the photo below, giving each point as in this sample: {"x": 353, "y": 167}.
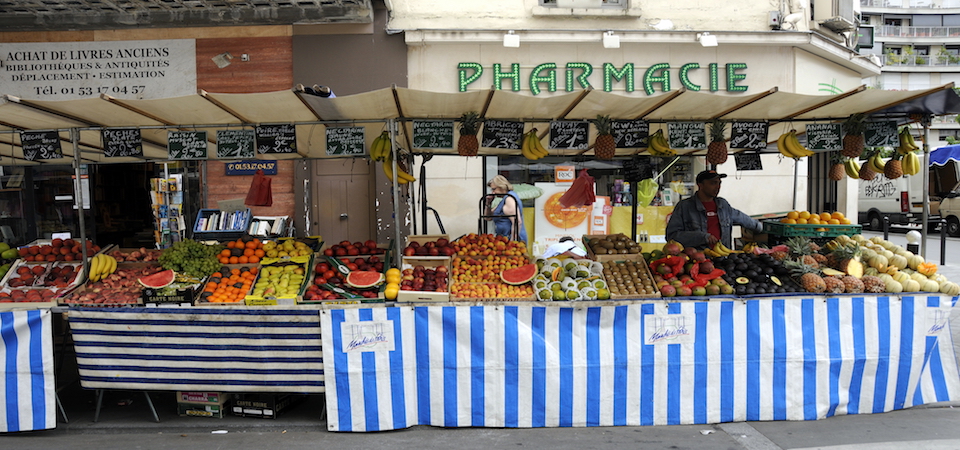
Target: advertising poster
{"x": 554, "y": 221}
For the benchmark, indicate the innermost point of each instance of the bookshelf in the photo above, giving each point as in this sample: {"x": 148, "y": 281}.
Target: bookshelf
{"x": 166, "y": 197}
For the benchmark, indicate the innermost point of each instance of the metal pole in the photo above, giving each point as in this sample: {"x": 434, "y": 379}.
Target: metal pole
{"x": 633, "y": 209}
{"x": 78, "y": 195}
{"x": 796, "y": 174}
{"x": 926, "y": 187}
{"x": 886, "y": 228}
{"x": 392, "y": 126}
{"x": 943, "y": 242}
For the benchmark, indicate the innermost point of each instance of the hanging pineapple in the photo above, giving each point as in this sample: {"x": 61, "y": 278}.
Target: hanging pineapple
{"x": 853, "y": 142}
{"x": 468, "y": 145}
{"x": 605, "y": 147}
{"x": 893, "y": 169}
{"x": 717, "y": 150}
{"x": 866, "y": 171}
{"x": 836, "y": 169}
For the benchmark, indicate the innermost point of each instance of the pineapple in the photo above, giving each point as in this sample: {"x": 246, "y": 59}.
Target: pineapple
{"x": 866, "y": 173}
{"x": 852, "y": 284}
{"x": 834, "y": 285}
{"x": 893, "y": 169}
{"x": 605, "y": 147}
{"x": 779, "y": 255}
{"x": 837, "y": 171}
{"x": 468, "y": 145}
{"x": 814, "y": 247}
{"x": 846, "y": 258}
{"x": 819, "y": 258}
{"x": 853, "y": 143}
{"x": 717, "y": 150}
{"x": 809, "y": 277}
{"x": 809, "y": 260}
{"x": 798, "y": 246}
{"x": 873, "y": 285}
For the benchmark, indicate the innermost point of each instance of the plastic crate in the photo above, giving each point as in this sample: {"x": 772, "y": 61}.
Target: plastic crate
{"x": 233, "y": 232}
{"x": 810, "y": 230}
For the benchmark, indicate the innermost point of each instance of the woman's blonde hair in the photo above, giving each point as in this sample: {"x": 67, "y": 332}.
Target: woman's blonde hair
{"x": 500, "y": 181}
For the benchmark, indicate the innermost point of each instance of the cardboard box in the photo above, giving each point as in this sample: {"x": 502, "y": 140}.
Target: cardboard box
{"x": 264, "y": 406}
{"x": 182, "y": 297}
{"x": 409, "y": 262}
{"x": 424, "y": 238}
{"x": 218, "y": 398}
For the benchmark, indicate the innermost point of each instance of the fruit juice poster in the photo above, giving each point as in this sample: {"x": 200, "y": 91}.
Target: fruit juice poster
{"x": 554, "y": 221}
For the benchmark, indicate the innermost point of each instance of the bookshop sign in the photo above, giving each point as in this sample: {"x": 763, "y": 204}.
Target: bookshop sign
{"x": 269, "y": 167}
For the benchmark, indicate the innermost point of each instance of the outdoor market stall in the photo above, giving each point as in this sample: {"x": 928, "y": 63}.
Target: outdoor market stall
{"x": 726, "y": 359}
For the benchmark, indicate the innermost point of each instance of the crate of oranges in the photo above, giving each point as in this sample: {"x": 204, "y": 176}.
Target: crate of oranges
{"x": 246, "y": 250}
{"x": 227, "y": 286}
{"x": 805, "y": 223}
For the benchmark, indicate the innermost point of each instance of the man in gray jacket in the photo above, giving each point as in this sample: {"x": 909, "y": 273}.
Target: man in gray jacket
{"x": 705, "y": 218}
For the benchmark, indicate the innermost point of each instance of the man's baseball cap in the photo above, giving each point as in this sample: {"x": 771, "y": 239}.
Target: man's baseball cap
{"x": 709, "y": 175}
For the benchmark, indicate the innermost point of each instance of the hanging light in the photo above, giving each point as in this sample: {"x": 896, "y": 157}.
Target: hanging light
{"x": 511, "y": 40}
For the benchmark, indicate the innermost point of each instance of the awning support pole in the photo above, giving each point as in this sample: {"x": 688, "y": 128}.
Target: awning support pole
{"x": 796, "y": 177}
{"x": 78, "y": 198}
{"x": 392, "y": 126}
{"x": 926, "y": 185}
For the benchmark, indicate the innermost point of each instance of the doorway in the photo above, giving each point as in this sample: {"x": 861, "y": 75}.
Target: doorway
{"x": 342, "y": 204}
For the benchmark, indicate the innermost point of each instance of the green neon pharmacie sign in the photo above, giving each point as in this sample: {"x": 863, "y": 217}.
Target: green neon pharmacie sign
{"x": 577, "y": 74}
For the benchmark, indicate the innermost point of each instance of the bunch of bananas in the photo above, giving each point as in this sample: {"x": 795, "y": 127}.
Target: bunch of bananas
{"x": 876, "y": 163}
{"x": 907, "y": 148}
{"x": 382, "y": 150}
{"x": 102, "y": 265}
{"x": 658, "y": 145}
{"x": 402, "y": 176}
{"x": 907, "y": 144}
{"x": 789, "y": 146}
{"x": 719, "y": 250}
{"x": 852, "y": 168}
{"x": 380, "y": 147}
{"x": 531, "y": 147}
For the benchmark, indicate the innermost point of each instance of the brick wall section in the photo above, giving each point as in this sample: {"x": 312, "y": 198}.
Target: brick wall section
{"x": 223, "y": 187}
{"x": 270, "y": 69}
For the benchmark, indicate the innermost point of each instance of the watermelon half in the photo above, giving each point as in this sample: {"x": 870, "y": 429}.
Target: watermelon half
{"x": 158, "y": 280}
{"x": 364, "y": 279}
{"x": 519, "y": 275}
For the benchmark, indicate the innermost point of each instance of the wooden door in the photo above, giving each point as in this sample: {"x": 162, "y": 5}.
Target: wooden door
{"x": 343, "y": 204}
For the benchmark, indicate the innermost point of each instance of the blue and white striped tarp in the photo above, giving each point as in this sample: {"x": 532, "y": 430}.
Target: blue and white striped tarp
{"x": 635, "y": 364}
{"x": 27, "y": 386}
{"x": 189, "y": 349}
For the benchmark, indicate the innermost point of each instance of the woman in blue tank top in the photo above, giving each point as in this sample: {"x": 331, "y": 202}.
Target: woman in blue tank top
{"x": 508, "y": 207}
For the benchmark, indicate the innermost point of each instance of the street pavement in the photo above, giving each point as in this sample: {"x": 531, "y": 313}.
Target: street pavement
{"x": 126, "y": 422}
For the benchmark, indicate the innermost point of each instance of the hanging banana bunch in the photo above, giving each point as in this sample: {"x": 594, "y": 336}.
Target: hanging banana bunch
{"x": 790, "y": 146}
{"x": 402, "y": 176}
{"x": 907, "y": 144}
{"x": 852, "y": 167}
{"x": 531, "y": 147}
{"x": 658, "y": 145}
{"x": 380, "y": 147}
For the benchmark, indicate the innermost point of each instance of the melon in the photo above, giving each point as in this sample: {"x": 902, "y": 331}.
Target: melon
{"x": 519, "y": 275}
{"x": 364, "y": 279}
{"x": 158, "y": 280}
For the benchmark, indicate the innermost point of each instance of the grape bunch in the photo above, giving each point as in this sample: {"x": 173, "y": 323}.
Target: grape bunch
{"x": 191, "y": 258}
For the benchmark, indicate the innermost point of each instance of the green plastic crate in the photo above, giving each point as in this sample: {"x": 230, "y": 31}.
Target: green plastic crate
{"x": 810, "y": 230}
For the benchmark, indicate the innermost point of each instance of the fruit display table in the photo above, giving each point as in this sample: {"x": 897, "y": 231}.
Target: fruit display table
{"x": 639, "y": 362}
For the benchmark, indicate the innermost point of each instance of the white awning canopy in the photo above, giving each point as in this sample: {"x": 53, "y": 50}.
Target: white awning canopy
{"x": 312, "y": 114}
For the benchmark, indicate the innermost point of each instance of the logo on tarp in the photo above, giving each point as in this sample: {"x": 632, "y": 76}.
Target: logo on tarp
{"x": 937, "y": 321}
{"x": 668, "y": 329}
{"x": 367, "y": 336}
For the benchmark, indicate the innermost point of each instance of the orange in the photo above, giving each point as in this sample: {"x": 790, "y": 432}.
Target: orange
{"x": 804, "y": 214}
{"x": 845, "y": 221}
{"x": 791, "y": 221}
{"x": 802, "y": 221}
{"x": 814, "y": 220}
{"x": 224, "y": 260}
{"x": 234, "y": 260}
{"x": 253, "y": 259}
{"x": 834, "y": 221}
{"x": 248, "y": 252}
{"x": 259, "y": 253}
{"x": 234, "y": 271}
{"x": 231, "y": 244}
{"x": 257, "y": 242}
{"x": 825, "y": 216}
{"x": 243, "y": 260}
{"x": 837, "y": 215}
{"x": 225, "y": 252}
{"x": 793, "y": 215}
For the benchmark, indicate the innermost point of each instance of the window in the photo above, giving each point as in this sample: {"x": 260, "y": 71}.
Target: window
{"x": 921, "y": 50}
{"x": 586, "y": 3}
{"x": 893, "y": 22}
{"x": 955, "y": 134}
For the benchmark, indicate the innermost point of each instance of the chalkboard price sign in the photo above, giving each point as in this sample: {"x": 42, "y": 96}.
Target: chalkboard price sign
{"x": 748, "y": 135}
{"x": 824, "y": 136}
{"x": 687, "y": 135}
{"x": 638, "y": 168}
{"x": 276, "y": 139}
{"x": 121, "y": 142}
{"x": 748, "y": 161}
{"x": 345, "y": 141}
{"x": 432, "y": 134}
{"x": 40, "y": 145}
{"x": 630, "y": 133}
{"x": 501, "y": 134}
{"x": 187, "y": 144}
{"x": 235, "y": 144}
{"x": 881, "y": 134}
{"x": 569, "y": 135}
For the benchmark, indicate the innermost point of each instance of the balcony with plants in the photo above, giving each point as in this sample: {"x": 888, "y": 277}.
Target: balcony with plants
{"x": 910, "y": 4}
{"x": 909, "y": 57}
